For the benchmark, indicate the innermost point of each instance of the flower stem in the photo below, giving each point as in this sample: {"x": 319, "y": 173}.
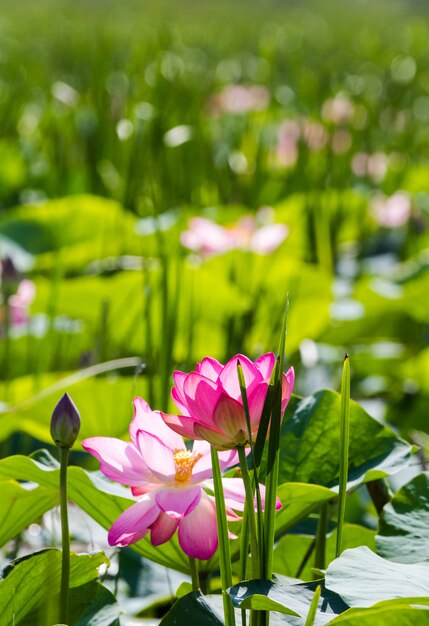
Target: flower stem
{"x": 250, "y": 512}
{"x": 344, "y": 451}
{"x": 65, "y": 537}
{"x": 194, "y": 574}
{"x": 224, "y": 551}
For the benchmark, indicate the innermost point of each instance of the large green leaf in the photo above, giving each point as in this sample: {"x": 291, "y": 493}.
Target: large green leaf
{"x": 21, "y": 505}
{"x": 404, "y": 523}
{"x": 363, "y": 578}
{"x": 298, "y": 501}
{"x": 292, "y": 600}
{"x": 102, "y": 500}
{"x": 194, "y": 608}
{"x": 83, "y": 227}
{"x": 292, "y": 549}
{"x": 401, "y": 615}
{"x": 90, "y": 604}
{"x": 104, "y": 403}
{"x": 310, "y": 443}
{"x": 32, "y": 581}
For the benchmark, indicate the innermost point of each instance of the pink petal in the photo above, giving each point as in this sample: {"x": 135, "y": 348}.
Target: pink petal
{"x": 229, "y": 376}
{"x": 203, "y": 467}
{"x": 158, "y": 458}
{"x": 235, "y": 495}
{"x": 216, "y": 438}
{"x": 256, "y": 401}
{"x": 198, "y": 531}
{"x": 210, "y": 368}
{"x": 287, "y": 387}
{"x": 152, "y": 422}
{"x": 133, "y": 524}
{"x": 181, "y": 424}
{"x": 201, "y": 397}
{"x": 178, "y": 502}
{"x": 177, "y": 391}
{"x": 265, "y": 364}
{"x": 162, "y": 529}
{"x": 268, "y": 238}
{"x": 229, "y": 417}
{"x": 119, "y": 461}
{"x": 229, "y": 458}
{"x": 179, "y": 401}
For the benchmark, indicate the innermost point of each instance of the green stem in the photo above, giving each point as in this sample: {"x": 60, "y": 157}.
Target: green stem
{"x": 313, "y": 607}
{"x": 322, "y": 528}
{"x": 224, "y": 551}
{"x": 250, "y": 512}
{"x": 344, "y": 451}
{"x": 7, "y": 359}
{"x": 65, "y": 537}
{"x": 194, "y": 574}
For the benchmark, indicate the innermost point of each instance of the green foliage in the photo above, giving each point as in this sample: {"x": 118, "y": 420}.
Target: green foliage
{"x": 310, "y": 434}
{"x": 363, "y": 578}
{"x": 23, "y": 597}
{"x": 403, "y": 532}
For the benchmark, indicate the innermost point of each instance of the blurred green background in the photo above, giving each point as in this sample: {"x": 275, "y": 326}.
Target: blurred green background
{"x": 119, "y": 122}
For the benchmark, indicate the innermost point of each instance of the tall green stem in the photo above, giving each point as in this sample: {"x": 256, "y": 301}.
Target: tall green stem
{"x": 65, "y": 537}
{"x": 250, "y": 507}
{"x": 322, "y": 529}
{"x": 344, "y": 450}
{"x": 224, "y": 551}
{"x": 193, "y": 563}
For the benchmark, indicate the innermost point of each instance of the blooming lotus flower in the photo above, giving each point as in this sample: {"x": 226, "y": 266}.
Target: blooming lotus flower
{"x": 211, "y": 404}
{"x": 168, "y": 482}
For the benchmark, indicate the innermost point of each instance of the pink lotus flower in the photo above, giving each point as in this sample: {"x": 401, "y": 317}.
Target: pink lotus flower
{"x": 206, "y": 237}
{"x": 211, "y": 403}
{"x": 249, "y": 233}
{"x": 393, "y": 211}
{"x": 19, "y": 303}
{"x": 168, "y": 482}
{"x": 238, "y": 99}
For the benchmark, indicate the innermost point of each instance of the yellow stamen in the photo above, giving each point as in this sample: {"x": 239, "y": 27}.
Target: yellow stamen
{"x": 185, "y": 462}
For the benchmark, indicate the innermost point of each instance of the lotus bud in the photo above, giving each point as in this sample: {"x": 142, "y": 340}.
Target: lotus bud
{"x": 65, "y": 422}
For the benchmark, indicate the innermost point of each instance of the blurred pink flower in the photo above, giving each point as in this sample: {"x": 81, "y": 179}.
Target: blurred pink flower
{"x": 168, "y": 482}
{"x": 338, "y": 110}
{"x": 240, "y": 99}
{"x": 20, "y": 302}
{"x": 287, "y": 147}
{"x": 259, "y": 239}
{"x": 248, "y": 233}
{"x": 314, "y": 135}
{"x": 206, "y": 237}
{"x": 372, "y": 165}
{"x": 211, "y": 403}
{"x": 393, "y": 211}
{"x": 18, "y": 293}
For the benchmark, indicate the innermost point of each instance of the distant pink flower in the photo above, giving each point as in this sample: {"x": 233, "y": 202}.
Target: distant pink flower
{"x": 259, "y": 239}
{"x": 240, "y": 99}
{"x": 20, "y": 302}
{"x": 393, "y": 211}
{"x": 207, "y": 237}
{"x": 249, "y": 233}
{"x": 168, "y": 482}
{"x": 372, "y": 165}
{"x": 315, "y": 135}
{"x": 211, "y": 403}
{"x": 338, "y": 110}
